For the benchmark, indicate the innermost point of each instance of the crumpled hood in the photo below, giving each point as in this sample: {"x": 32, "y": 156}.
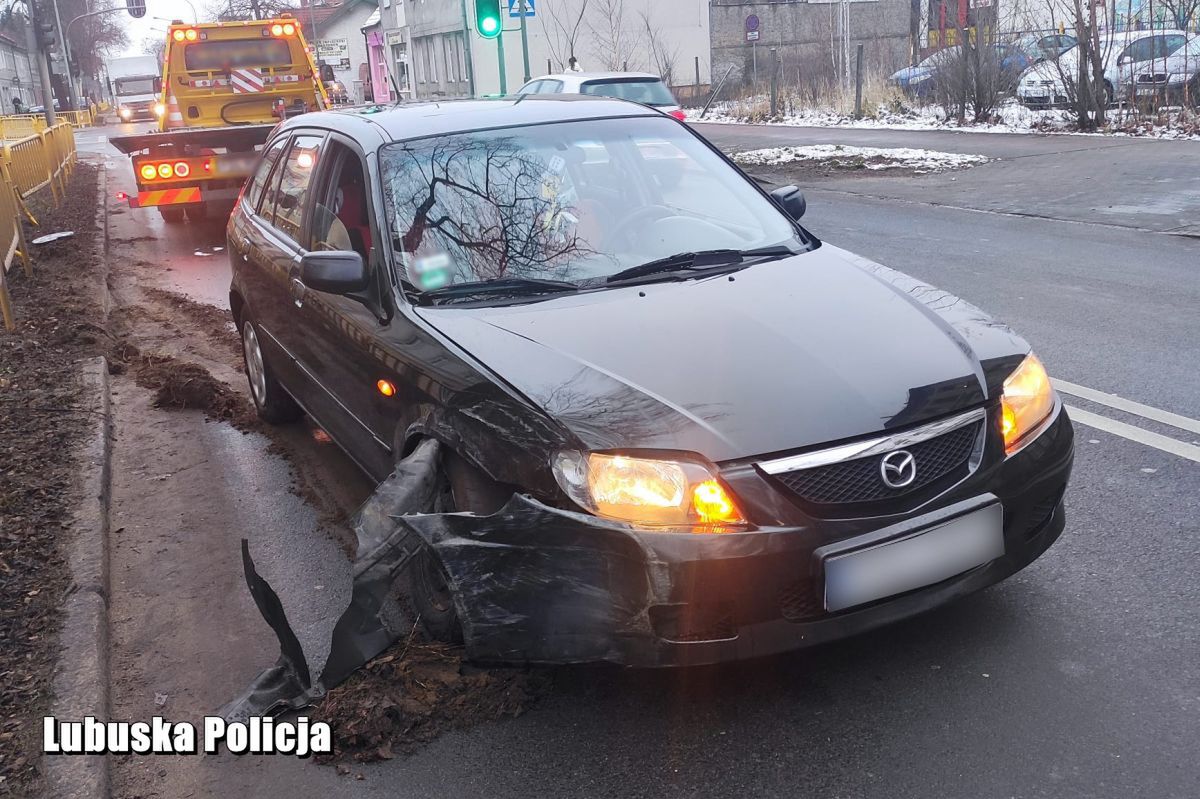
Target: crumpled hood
{"x": 811, "y": 349}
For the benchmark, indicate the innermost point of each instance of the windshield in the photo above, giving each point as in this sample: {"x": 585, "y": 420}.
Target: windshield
{"x": 648, "y": 91}
{"x": 237, "y": 53}
{"x": 128, "y": 86}
{"x": 575, "y": 201}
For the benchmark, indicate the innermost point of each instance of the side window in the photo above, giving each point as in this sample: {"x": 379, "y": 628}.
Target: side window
{"x": 341, "y": 217}
{"x": 1170, "y": 44}
{"x": 254, "y": 191}
{"x": 533, "y": 87}
{"x": 551, "y": 87}
{"x": 1140, "y": 50}
{"x": 288, "y": 199}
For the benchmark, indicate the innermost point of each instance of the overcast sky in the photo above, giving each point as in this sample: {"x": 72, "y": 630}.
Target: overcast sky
{"x": 165, "y": 10}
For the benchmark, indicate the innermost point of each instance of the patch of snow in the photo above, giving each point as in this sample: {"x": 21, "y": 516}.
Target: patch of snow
{"x": 861, "y": 157}
{"x": 1009, "y": 117}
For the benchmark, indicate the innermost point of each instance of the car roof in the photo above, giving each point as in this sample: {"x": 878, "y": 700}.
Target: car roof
{"x": 585, "y": 76}
{"x": 415, "y": 120}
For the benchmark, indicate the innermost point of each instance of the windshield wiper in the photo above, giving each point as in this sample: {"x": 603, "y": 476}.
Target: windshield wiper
{"x": 699, "y": 261}
{"x": 501, "y": 287}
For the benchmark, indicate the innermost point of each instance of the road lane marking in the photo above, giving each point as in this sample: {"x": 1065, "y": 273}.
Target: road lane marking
{"x": 1161, "y": 442}
{"x": 1129, "y": 406}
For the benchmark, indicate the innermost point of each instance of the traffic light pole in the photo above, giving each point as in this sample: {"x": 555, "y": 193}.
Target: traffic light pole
{"x": 525, "y": 40}
{"x": 500, "y": 55}
{"x": 34, "y": 45}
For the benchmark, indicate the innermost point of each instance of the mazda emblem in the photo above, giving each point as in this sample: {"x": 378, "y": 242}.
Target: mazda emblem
{"x": 898, "y": 469}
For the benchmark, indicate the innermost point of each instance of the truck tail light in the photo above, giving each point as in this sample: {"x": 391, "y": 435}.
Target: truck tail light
{"x": 182, "y": 170}
{"x": 148, "y": 171}
{"x": 165, "y": 170}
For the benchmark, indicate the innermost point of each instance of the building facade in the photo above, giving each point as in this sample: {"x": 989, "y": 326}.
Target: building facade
{"x": 335, "y": 33}
{"x": 17, "y": 73}
{"x": 438, "y": 53}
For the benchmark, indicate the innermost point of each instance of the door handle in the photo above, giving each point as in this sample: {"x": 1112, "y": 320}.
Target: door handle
{"x": 298, "y": 291}
{"x": 245, "y": 248}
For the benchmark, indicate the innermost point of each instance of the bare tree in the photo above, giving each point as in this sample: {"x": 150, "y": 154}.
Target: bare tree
{"x": 92, "y": 38}
{"x": 1183, "y": 12}
{"x": 226, "y": 10}
{"x": 562, "y": 24}
{"x": 614, "y": 42}
{"x": 664, "y": 53}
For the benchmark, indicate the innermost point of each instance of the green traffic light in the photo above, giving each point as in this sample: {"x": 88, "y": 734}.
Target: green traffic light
{"x": 487, "y": 18}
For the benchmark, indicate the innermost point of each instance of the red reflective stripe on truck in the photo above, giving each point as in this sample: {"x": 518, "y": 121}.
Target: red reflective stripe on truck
{"x": 190, "y": 194}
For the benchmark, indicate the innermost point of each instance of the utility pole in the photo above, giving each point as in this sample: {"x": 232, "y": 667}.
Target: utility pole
{"x": 500, "y": 55}
{"x": 524, "y": 40}
{"x": 66, "y": 54}
{"x": 33, "y": 41}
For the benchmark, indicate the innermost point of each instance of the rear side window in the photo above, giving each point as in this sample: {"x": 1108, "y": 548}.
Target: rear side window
{"x": 649, "y": 92}
{"x": 1171, "y": 44}
{"x": 531, "y": 88}
{"x": 237, "y": 53}
{"x": 288, "y": 197}
{"x": 551, "y": 87}
{"x": 255, "y": 190}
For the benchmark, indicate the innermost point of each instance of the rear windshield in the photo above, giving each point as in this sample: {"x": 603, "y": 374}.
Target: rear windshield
{"x": 236, "y": 53}
{"x": 649, "y": 91}
{"x": 127, "y": 86}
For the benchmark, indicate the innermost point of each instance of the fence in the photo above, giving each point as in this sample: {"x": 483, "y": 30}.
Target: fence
{"x": 27, "y": 166}
{"x": 16, "y": 126}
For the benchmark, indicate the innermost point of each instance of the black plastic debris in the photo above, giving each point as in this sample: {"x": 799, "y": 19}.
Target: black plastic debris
{"x": 384, "y": 550}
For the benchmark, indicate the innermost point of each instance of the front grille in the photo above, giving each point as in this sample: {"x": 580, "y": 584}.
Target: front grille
{"x": 799, "y": 601}
{"x": 860, "y": 480}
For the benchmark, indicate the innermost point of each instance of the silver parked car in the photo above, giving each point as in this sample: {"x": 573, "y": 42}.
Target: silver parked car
{"x": 1124, "y": 54}
{"x": 1175, "y": 78}
{"x": 639, "y": 87}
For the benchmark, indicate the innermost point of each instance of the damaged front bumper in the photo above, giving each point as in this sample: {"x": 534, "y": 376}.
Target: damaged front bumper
{"x": 537, "y": 584}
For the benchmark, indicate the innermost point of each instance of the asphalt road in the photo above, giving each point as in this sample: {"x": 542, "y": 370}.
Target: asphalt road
{"x": 1076, "y": 678}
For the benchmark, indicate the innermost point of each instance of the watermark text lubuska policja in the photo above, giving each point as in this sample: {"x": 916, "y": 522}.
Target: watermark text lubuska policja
{"x": 259, "y": 735}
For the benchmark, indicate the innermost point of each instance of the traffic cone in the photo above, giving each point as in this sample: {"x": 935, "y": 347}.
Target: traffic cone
{"x": 174, "y": 116}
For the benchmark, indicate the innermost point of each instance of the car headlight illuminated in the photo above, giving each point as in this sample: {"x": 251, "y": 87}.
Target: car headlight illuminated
{"x": 671, "y": 494}
{"x": 159, "y": 109}
{"x": 125, "y": 112}
{"x": 1026, "y": 403}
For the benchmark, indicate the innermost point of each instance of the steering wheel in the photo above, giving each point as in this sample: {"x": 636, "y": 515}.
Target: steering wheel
{"x": 625, "y": 225}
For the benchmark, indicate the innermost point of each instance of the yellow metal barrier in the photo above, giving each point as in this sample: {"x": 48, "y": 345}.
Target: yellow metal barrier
{"x": 27, "y": 166}
{"x": 80, "y": 119}
{"x": 18, "y": 126}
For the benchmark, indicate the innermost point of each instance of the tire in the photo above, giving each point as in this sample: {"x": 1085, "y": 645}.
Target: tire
{"x": 170, "y": 214}
{"x": 1109, "y": 95}
{"x": 429, "y": 586}
{"x": 273, "y": 403}
{"x": 196, "y": 212}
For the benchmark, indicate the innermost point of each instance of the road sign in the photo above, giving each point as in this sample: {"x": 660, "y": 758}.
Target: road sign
{"x": 752, "y": 23}
{"x": 514, "y": 9}
{"x": 136, "y": 8}
{"x": 751, "y": 36}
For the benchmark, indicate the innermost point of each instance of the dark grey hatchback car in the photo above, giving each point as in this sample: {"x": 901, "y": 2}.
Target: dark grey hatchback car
{"x": 676, "y": 427}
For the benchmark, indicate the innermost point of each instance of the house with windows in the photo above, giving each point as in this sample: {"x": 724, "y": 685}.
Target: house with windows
{"x": 430, "y": 48}
{"x": 334, "y": 30}
{"x": 17, "y": 76}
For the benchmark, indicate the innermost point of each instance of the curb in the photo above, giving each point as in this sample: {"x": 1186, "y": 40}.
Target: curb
{"x": 81, "y": 676}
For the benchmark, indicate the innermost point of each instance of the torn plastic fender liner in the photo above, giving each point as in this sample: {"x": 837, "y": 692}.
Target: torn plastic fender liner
{"x": 384, "y": 549}
{"x": 536, "y": 584}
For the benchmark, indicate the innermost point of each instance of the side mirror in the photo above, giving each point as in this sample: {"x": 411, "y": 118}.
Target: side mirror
{"x": 334, "y": 271}
{"x": 327, "y": 75}
{"x": 791, "y": 200}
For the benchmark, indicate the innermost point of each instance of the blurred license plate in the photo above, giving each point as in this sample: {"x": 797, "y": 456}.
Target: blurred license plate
{"x": 928, "y": 557}
{"x": 235, "y": 165}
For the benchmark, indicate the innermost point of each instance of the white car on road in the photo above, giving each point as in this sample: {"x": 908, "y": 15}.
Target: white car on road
{"x": 1125, "y": 55}
{"x": 640, "y": 87}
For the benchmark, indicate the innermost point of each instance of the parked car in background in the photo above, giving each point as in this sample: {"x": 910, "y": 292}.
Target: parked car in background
{"x": 1124, "y": 55}
{"x": 1044, "y": 46}
{"x": 1176, "y": 79}
{"x": 924, "y": 79}
{"x": 639, "y": 87}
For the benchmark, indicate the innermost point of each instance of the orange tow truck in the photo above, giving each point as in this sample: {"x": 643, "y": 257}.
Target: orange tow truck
{"x": 225, "y": 85}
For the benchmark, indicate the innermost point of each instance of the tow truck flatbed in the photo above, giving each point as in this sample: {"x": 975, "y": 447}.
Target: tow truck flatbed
{"x": 232, "y": 137}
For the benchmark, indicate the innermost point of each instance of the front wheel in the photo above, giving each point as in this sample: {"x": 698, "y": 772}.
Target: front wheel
{"x": 273, "y": 403}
